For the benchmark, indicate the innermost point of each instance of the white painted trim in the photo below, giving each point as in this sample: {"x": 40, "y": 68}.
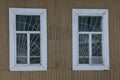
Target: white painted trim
{"x": 90, "y": 32}
{"x": 12, "y": 39}
{"x": 28, "y": 48}
{"x": 34, "y": 32}
{"x": 28, "y": 68}
{"x": 90, "y": 67}
{"x": 105, "y": 38}
{"x": 27, "y": 11}
{"x": 90, "y": 12}
{"x": 90, "y": 48}
{"x": 74, "y": 40}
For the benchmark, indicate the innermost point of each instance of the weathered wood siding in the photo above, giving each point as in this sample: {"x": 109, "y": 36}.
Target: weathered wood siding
{"x": 59, "y": 25}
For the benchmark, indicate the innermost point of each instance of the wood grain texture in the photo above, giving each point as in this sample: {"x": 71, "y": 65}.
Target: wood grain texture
{"x": 59, "y": 26}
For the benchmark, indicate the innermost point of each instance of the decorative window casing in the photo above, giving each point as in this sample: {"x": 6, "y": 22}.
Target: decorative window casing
{"x": 90, "y": 39}
{"x": 28, "y": 39}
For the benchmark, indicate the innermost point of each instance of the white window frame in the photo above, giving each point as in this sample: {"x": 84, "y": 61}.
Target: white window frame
{"x": 105, "y": 39}
{"x": 12, "y": 39}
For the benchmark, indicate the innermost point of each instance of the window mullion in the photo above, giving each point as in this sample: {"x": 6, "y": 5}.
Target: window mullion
{"x": 28, "y": 48}
{"x": 90, "y": 48}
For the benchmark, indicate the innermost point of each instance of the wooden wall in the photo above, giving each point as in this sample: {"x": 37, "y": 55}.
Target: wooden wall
{"x": 59, "y": 13}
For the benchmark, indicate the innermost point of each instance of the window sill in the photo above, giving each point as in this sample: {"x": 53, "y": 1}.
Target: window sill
{"x": 90, "y": 67}
{"x": 28, "y": 68}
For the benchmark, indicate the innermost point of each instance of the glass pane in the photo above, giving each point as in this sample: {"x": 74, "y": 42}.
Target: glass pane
{"x": 97, "y": 60}
{"x": 21, "y": 60}
{"x": 35, "y": 60}
{"x": 89, "y": 23}
{"x": 83, "y": 60}
{"x": 27, "y": 23}
{"x": 96, "y": 45}
{"x": 21, "y": 44}
{"x": 83, "y": 45}
{"x": 34, "y": 44}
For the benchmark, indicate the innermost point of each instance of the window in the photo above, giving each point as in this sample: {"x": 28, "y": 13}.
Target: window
{"x": 28, "y": 39}
{"x": 90, "y": 39}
